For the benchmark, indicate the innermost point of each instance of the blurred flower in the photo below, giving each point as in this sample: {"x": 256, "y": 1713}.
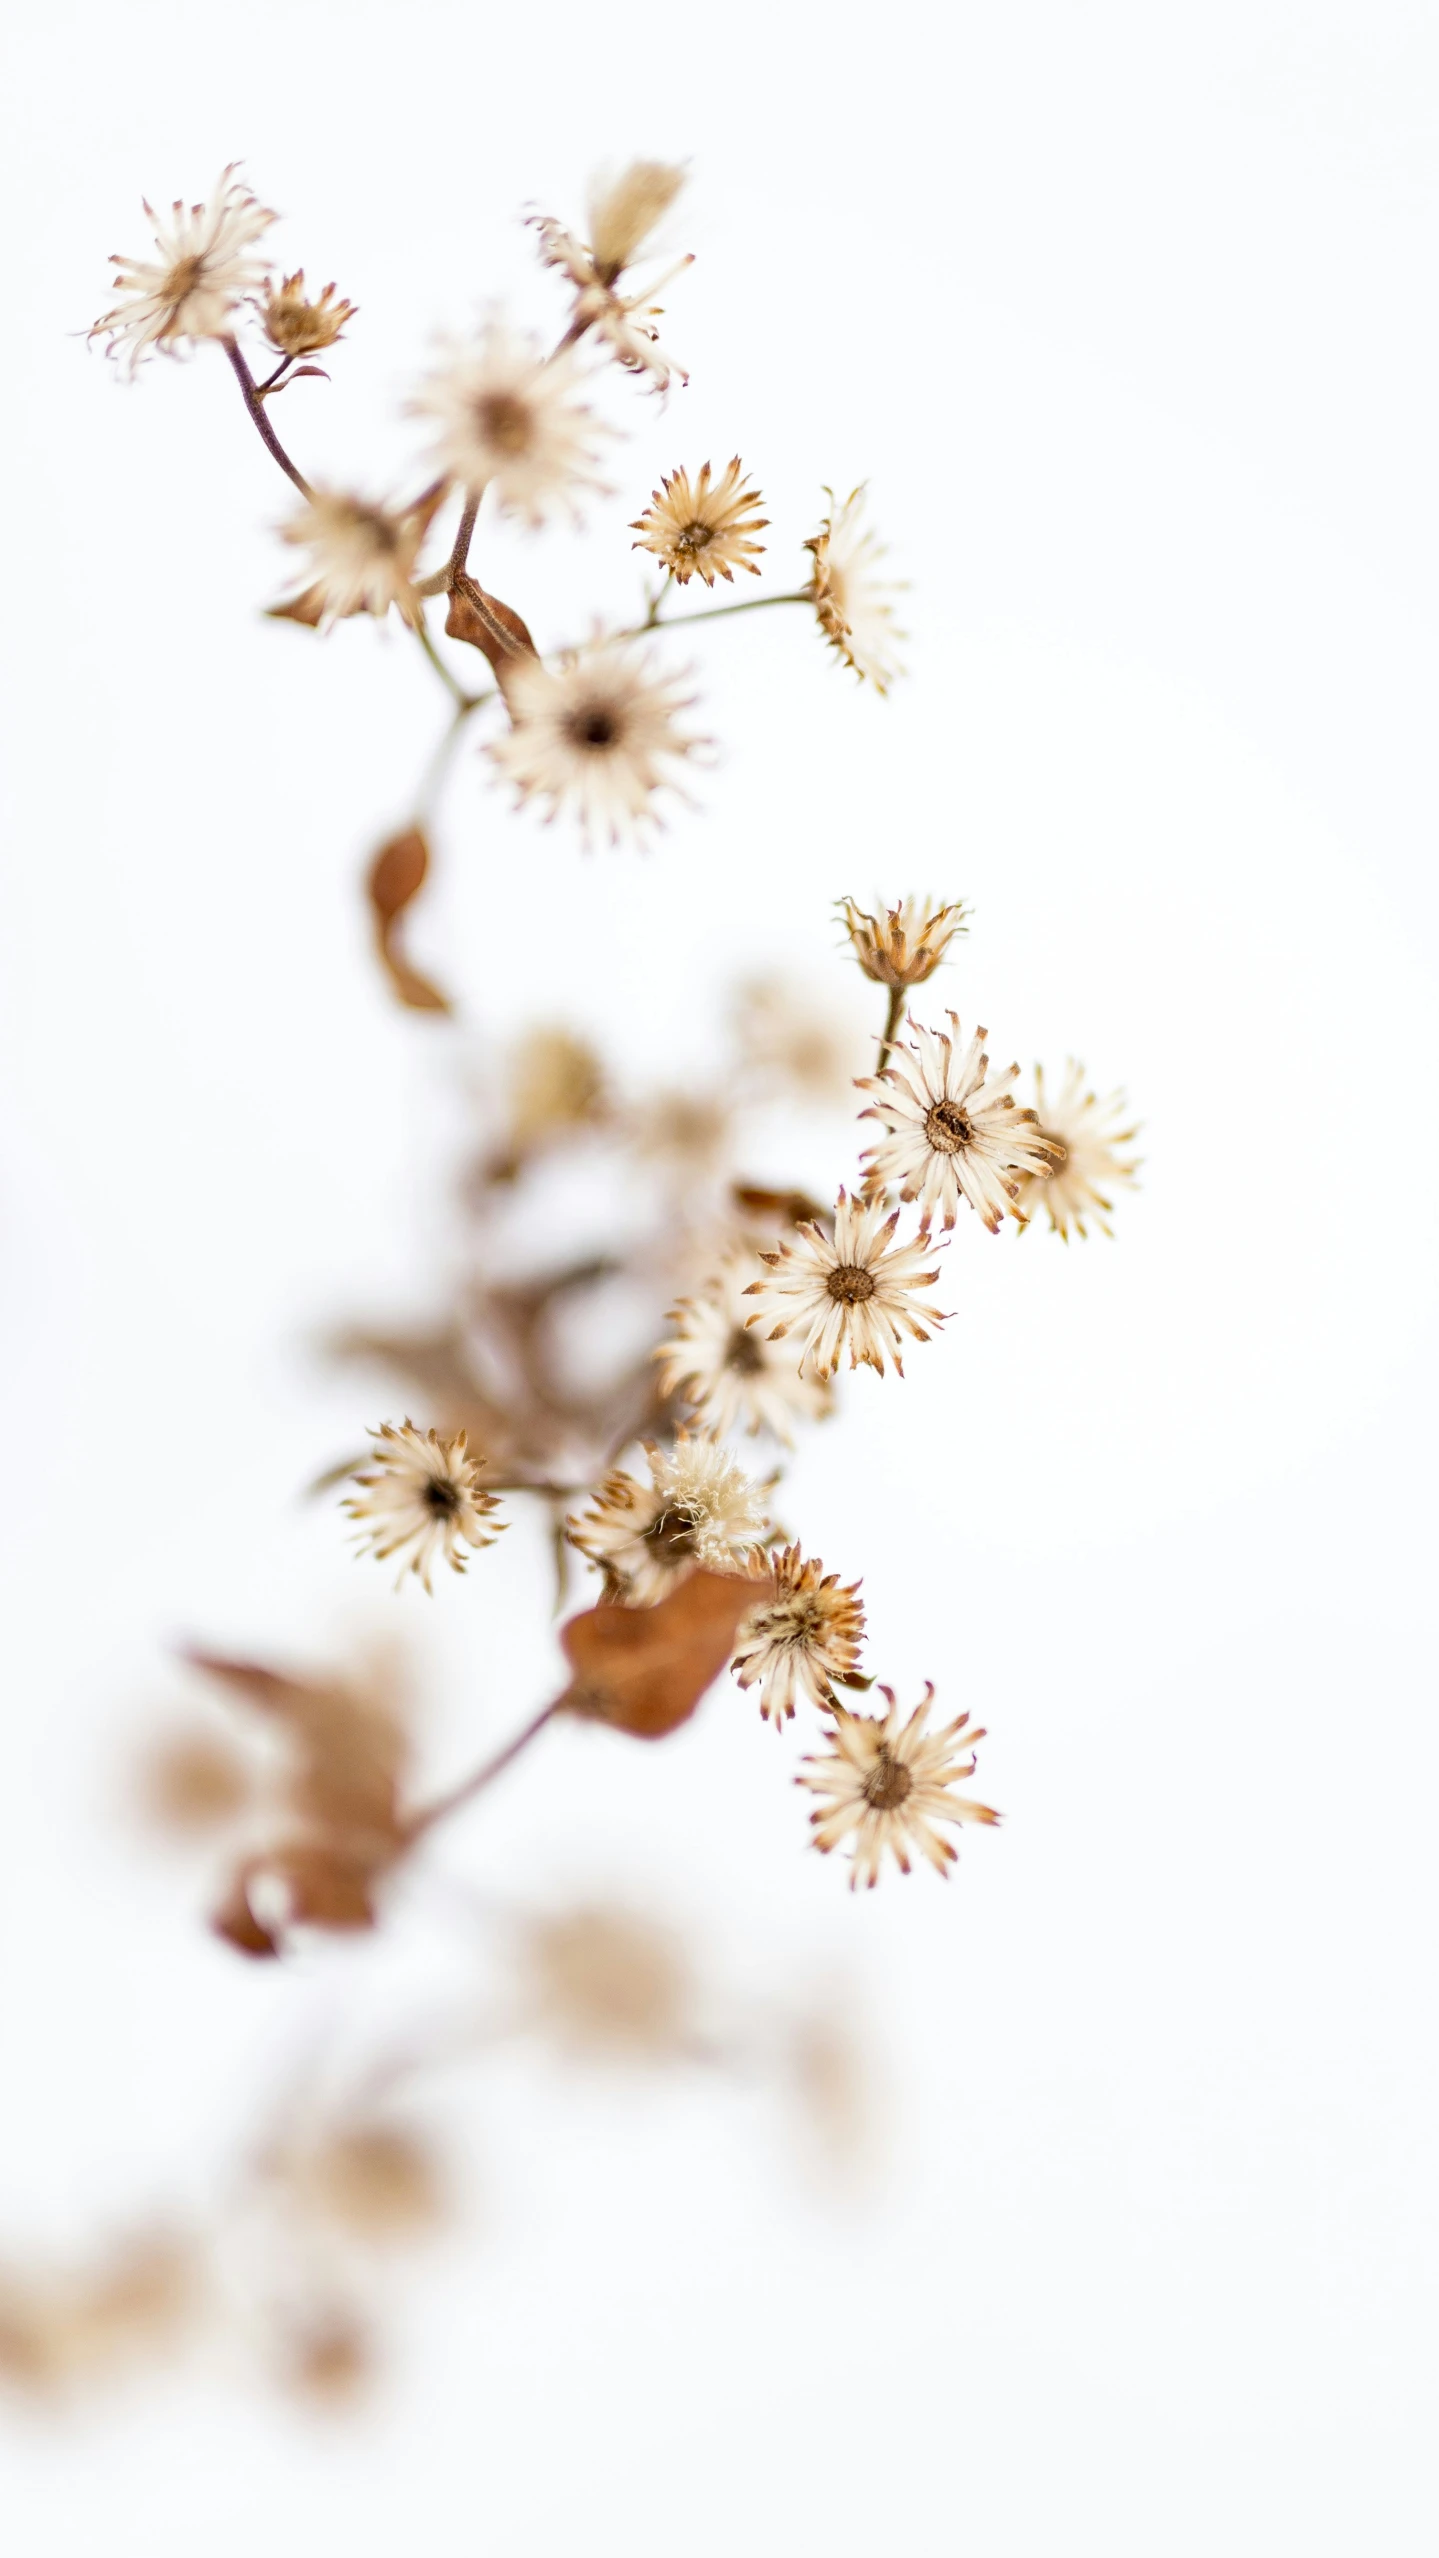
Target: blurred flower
{"x": 604, "y": 1981}
{"x": 296, "y": 325}
{"x": 904, "y": 944}
{"x": 622, "y": 214}
{"x": 508, "y": 421}
{"x": 377, "y": 2180}
{"x": 1089, "y": 1129}
{"x": 732, "y": 1375}
{"x": 784, "y": 1042}
{"x": 802, "y": 1636}
{"x": 952, "y": 1133}
{"x": 557, "y": 1086}
{"x": 699, "y": 1507}
{"x": 624, "y": 210}
{"x": 329, "y": 2359}
{"x": 883, "y": 1784}
{"x": 423, "y": 1500}
{"x": 691, "y": 1130}
{"x": 855, "y": 1291}
{"x": 702, "y": 531}
{"x": 595, "y": 735}
{"x": 191, "y": 1782}
{"x": 204, "y": 268}
{"x": 849, "y": 595}
{"x": 362, "y": 556}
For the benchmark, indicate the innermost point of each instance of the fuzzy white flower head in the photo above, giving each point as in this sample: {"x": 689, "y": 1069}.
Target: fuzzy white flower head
{"x": 851, "y": 596}
{"x": 597, "y": 735}
{"x": 804, "y": 1634}
{"x": 885, "y": 1782}
{"x": 855, "y": 1291}
{"x": 422, "y": 1501}
{"x": 954, "y": 1132}
{"x": 362, "y": 557}
{"x": 204, "y": 267}
{"x": 509, "y": 421}
{"x": 698, "y": 1507}
{"x": 1091, "y": 1129}
{"x": 622, "y": 215}
{"x": 731, "y": 1376}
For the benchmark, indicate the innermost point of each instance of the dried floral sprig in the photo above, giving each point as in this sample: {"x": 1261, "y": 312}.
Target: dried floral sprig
{"x": 802, "y": 1638}
{"x": 599, "y": 736}
{"x": 296, "y": 322}
{"x": 1088, "y": 1132}
{"x": 699, "y": 529}
{"x": 362, "y": 557}
{"x": 954, "y": 1132}
{"x": 698, "y": 1508}
{"x": 206, "y": 265}
{"x": 511, "y": 421}
{"x": 421, "y": 1499}
{"x": 902, "y": 946}
{"x": 850, "y": 594}
{"x": 884, "y": 1782}
{"x": 854, "y": 1290}
{"x": 730, "y": 1375}
{"x": 622, "y": 215}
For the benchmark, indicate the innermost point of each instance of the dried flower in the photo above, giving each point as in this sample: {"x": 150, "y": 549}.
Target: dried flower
{"x": 802, "y": 1636}
{"x": 508, "y": 421}
{"x": 688, "y": 1131}
{"x": 904, "y": 944}
{"x": 784, "y": 1041}
{"x": 596, "y": 735}
{"x": 698, "y": 1507}
{"x": 193, "y": 1782}
{"x": 204, "y": 268}
{"x": 883, "y": 1784}
{"x": 954, "y": 1131}
{"x": 423, "y": 1500}
{"x": 624, "y": 210}
{"x": 855, "y": 1291}
{"x": 604, "y": 1981}
{"x": 850, "y": 597}
{"x": 294, "y": 324}
{"x": 622, "y": 215}
{"x": 703, "y": 531}
{"x": 730, "y": 1373}
{"x": 557, "y": 1085}
{"x": 376, "y": 2179}
{"x": 362, "y": 556}
{"x": 1089, "y": 1130}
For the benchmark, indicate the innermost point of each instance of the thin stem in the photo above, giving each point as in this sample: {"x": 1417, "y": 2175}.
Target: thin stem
{"x": 256, "y": 407}
{"x": 262, "y": 388}
{"x": 459, "y": 556}
{"x": 891, "y": 1025}
{"x": 453, "y": 687}
{"x": 434, "y": 772}
{"x": 444, "y": 1804}
{"x": 715, "y": 613}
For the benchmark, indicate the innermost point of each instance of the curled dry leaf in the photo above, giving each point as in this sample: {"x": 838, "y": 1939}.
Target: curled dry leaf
{"x": 785, "y": 1207}
{"x": 397, "y": 874}
{"x": 495, "y": 629}
{"x": 645, "y": 1669}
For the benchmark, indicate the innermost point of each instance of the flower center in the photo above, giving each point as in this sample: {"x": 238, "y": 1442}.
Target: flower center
{"x": 849, "y": 1285}
{"x": 594, "y": 728}
{"x": 504, "y": 422}
{"x": 183, "y": 278}
{"x": 441, "y": 1497}
{"x": 694, "y": 537}
{"x": 947, "y": 1128}
{"x": 670, "y": 1535}
{"x": 744, "y": 1353}
{"x": 888, "y": 1783}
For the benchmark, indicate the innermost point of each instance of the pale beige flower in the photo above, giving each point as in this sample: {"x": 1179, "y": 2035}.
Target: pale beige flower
{"x": 557, "y": 1087}
{"x": 902, "y": 945}
{"x": 883, "y": 1783}
{"x": 850, "y": 595}
{"x": 688, "y": 1132}
{"x": 954, "y": 1132}
{"x": 597, "y": 735}
{"x": 1091, "y": 1129}
{"x": 803, "y": 1636}
{"x": 362, "y": 556}
{"x": 422, "y": 1501}
{"x": 605, "y": 1981}
{"x": 297, "y": 323}
{"x": 622, "y": 215}
{"x": 508, "y": 421}
{"x": 699, "y": 530}
{"x": 853, "y": 1291}
{"x": 624, "y": 210}
{"x": 728, "y": 1372}
{"x": 698, "y": 1507}
{"x": 205, "y": 267}
{"x": 814, "y": 1050}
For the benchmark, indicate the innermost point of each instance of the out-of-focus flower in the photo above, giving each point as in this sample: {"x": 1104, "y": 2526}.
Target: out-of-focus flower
{"x": 622, "y": 215}
{"x": 688, "y": 1131}
{"x": 378, "y": 2180}
{"x": 698, "y": 1507}
{"x": 297, "y": 323}
{"x": 850, "y": 596}
{"x": 598, "y": 736}
{"x": 731, "y": 1374}
{"x": 804, "y": 1634}
{"x": 902, "y": 945}
{"x": 954, "y": 1132}
{"x": 62, "y": 2328}
{"x": 362, "y": 556}
{"x": 1091, "y": 1129}
{"x": 784, "y": 1042}
{"x": 854, "y": 1291}
{"x": 884, "y": 1782}
{"x": 204, "y": 268}
{"x": 329, "y": 2359}
{"x": 701, "y": 530}
{"x": 509, "y": 422}
{"x": 557, "y": 1087}
{"x": 194, "y": 1782}
{"x": 423, "y": 1501}
{"x": 603, "y": 1981}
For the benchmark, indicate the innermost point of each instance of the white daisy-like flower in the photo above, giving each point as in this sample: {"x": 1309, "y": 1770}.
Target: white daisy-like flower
{"x": 851, "y": 597}
{"x": 362, "y": 556}
{"x": 803, "y": 1636}
{"x": 728, "y": 1372}
{"x": 699, "y": 530}
{"x": 885, "y": 1782}
{"x": 954, "y": 1132}
{"x": 508, "y": 420}
{"x": 598, "y": 735}
{"x": 698, "y": 1507}
{"x": 621, "y": 217}
{"x": 902, "y": 945}
{"x": 853, "y": 1291}
{"x": 422, "y": 1501}
{"x": 1090, "y": 1128}
{"x": 204, "y": 267}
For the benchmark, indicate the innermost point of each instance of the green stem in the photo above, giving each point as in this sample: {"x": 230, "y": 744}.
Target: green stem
{"x": 464, "y": 701}
{"x": 714, "y": 613}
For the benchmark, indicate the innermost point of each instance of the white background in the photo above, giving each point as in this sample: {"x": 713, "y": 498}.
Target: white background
{"x": 1129, "y": 317}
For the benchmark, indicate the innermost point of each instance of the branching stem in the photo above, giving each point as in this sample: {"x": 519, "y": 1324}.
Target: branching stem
{"x": 444, "y": 1804}
{"x": 264, "y": 429}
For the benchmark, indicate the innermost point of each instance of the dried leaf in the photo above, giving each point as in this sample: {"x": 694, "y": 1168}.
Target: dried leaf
{"x": 236, "y": 1922}
{"x": 308, "y": 609}
{"x": 397, "y": 874}
{"x": 495, "y": 629}
{"x": 645, "y": 1669}
{"x": 788, "y": 1207}
{"x": 349, "y": 1751}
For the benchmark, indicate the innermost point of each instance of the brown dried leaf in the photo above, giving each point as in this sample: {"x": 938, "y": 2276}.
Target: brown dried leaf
{"x": 645, "y": 1669}
{"x": 397, "y": 874}
{"x": 349, "y": 1750}
{"x": 495, "y": 629}
{"x": 236, "y": 1922}
{"x": 787, "y": 1207}
{"x": 308, "y": 609}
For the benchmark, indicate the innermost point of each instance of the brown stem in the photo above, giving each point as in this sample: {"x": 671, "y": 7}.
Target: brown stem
{"x": 459, "y": 556}
{"x": 444, "y": 1804}
{"x": 256, "y": 407}
{"x": 891, "y": 1025}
